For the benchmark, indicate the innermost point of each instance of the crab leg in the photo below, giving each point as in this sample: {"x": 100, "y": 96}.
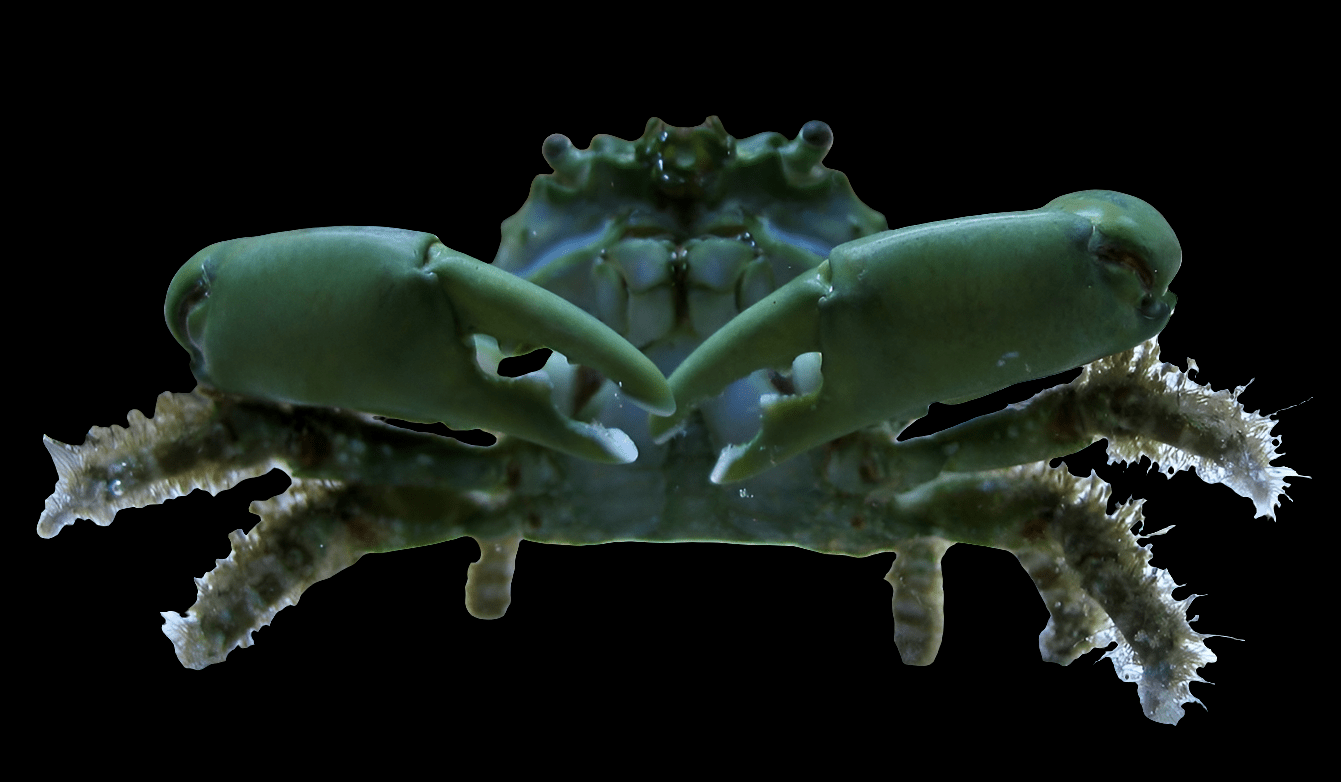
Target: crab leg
{"x": 946, "y": 312}
{"x": 1144, "y": 407}
{"x": 378, "y": 320}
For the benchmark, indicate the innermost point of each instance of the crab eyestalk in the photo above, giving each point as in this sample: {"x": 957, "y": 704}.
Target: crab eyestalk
{"x": 377, "y": 320}
{"x": 942, "y": 312}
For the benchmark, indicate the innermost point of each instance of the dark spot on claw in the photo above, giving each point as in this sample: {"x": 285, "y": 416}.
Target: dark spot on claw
{"x": 589, "y": 381}
{"x": 1035, "y": 529}
{"x": 1131, "y": 260}
{"x": 782, "y": 383}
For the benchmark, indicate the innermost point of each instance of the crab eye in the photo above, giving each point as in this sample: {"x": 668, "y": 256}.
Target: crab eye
{"x": 1129, "y": 259}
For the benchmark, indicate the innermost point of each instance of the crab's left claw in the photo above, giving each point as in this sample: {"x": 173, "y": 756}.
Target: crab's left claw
{"x": 946, "y": 312}
{"x": 378, "y": 320}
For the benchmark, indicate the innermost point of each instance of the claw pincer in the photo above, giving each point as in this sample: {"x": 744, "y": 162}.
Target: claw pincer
{"x": 942, "y": 312}
{"x": 378, "y": 320}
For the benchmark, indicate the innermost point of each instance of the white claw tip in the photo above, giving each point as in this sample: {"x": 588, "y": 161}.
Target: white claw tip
{"x": 615, "y": 443}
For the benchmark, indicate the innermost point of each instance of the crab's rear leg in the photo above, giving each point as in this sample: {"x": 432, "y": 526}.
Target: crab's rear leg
{"x": 489, "y": 579}
{"x": 359, "y": 486}
{"x": 919, "y": 598}
{"x": 306, "y": 535}
{"x": 1082, "y": 557}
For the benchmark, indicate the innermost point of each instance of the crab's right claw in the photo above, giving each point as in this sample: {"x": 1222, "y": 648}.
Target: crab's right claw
{"x": 942, "y": 312}
{"x": 380, "y": 320}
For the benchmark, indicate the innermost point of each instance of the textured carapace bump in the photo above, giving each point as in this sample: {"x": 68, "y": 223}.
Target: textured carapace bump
{"x": 774, "y": 298}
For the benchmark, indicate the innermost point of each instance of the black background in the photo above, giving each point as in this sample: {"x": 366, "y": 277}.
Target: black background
{"x": 139, "y": 182}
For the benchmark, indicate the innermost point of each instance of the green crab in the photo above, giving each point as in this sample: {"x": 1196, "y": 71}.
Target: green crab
{"x": 738, "y": 343}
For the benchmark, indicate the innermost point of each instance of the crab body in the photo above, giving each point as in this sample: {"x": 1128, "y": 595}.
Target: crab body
{"x": 738, "y": 342}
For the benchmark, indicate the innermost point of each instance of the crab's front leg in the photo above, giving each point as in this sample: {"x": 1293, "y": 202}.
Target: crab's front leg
{"x": 947, "y": 312}
{"x": 1142, "y": 406}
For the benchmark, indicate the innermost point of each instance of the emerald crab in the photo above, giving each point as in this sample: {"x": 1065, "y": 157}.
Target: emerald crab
{"x": 738, "y": 343}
